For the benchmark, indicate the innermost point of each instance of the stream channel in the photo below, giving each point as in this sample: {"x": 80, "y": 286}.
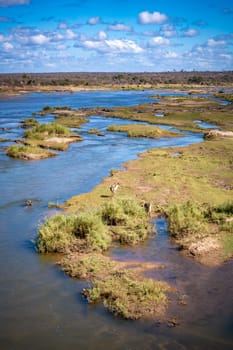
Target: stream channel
{"x": 40, "y": 306}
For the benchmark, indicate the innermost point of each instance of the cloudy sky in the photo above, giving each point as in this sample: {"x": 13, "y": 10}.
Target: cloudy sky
{"x": 115, "y": 35}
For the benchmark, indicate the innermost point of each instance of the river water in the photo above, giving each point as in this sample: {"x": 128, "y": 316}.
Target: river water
{"x": 41, "y": 307}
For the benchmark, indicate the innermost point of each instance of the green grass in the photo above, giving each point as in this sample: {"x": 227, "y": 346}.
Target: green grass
{"x": 186, "y": 219}
{"x": 127, "y": 221}
{"x": 95, "y": 131}
{"x": 62, "y": 233}
{"x": 44, "y": 131}
{"x": 123, "y": 291}
{"x": 27, "y": 152}
{"x": 124, "y": 221}
{"x": 137, "y": 130}
{"x": 71, "y": 121}
{"x": 29, "y": 122}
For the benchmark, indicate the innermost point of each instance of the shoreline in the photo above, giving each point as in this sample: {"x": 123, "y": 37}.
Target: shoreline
{"x": 15, "y": 91}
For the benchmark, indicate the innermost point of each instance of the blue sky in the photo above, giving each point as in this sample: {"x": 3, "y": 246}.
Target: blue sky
{"x": 116, "y": 35}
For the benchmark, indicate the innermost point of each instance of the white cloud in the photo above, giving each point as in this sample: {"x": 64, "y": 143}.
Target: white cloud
{"x": 152, "y": 18}
{"x": 7, "y": 46}
{"x": 62, "y": 25}
{"x": 70, "y": 34}
{"x": 213, "y": 42}
{"x": 102, "y": 35}
{"x": 6, "y": 3}
{"x": 94, "y": 20}
{"x": 191, "y": 32}
{"x": 120, "y": 27}
{"x": 39, "y": 39}
{"x": 168, "y": 31}
{"x": 171, "y": 54}
{"x": 158, "y": 41}
{"x": 112, "y": 46}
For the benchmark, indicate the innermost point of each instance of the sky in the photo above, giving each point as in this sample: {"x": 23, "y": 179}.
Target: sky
{"x": 115, "y": 35}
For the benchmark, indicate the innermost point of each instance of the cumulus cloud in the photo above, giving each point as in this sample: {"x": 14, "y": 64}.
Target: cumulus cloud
{"x": 111, "y": 46}
{"x": 94, "y": 20}
{"x": 168, "y": 31}
{"x": 146, "y": 17}
{"x": 171, "y": 54}
{"x": 102, "y": 35}
{"x": 158, "y": 41}
{"x": 190, "y": 33}
{"x": 6, "y": 3}
{"x": 120, "y": 27}
{"x": 62, "y": 25}
{"x": 213, "y": 42}
{"x": 39, "y": 39}
{"x": 7, "y": 46}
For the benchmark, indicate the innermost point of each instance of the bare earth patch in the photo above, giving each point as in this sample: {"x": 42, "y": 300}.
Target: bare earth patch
{"x": 208, "y": 251}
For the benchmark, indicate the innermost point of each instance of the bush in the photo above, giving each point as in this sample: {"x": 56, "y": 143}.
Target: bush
{"x": 186, "y": 219}
{"x": 42, "y": 131}
{"x": 90, "y": 227}
{"x": 29, "y": 122}
{"x": 57, "y": 234}
{"x": 128, "y": 220}
{"x": 62, "y": 233}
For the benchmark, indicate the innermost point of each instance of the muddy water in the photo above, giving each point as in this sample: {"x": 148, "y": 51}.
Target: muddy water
{"x": 40, "y": 307}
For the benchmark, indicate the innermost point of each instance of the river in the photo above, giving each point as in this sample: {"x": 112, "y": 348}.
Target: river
{"x": 41, "y": 307}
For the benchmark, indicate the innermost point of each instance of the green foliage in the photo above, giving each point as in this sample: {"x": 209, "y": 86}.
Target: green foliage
{"x": 127, "y": 296}
{"x": 122, "y": 220}
{"x": 228, "y": 244}
{"x": 89, "y": 226}
{"x": 127, "y": 219}
{"x": 21, "y": 152}
{"x": 186, "y": 219}
{"x": 29, "y": 122}
{"x": 62, "y": 233}
{"x": 42, "y": 131}
{"x": 47, "y": 108}
{"x": 56, "y": 234}
{"x": 123, "y": 291}
{"x": 137, "y": 130}
{"x": 222, "y": 215}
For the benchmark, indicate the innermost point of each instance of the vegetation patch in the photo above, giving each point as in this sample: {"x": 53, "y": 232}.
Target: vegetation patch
{"x": 95, "y": 131}
{"x": 51, "y": 135}
{"x": 123, "y": 221}
{"x": 137, "y": 130}
{"x": 123, "y": 291}
{"x": 3, "y": 139}
{"x": 203, "y": 230}
{"x": 62, "y": 233}
{"x": 70, "y": 120}
{"x": 29, "y": 123}
{"x": 28, "y": 152}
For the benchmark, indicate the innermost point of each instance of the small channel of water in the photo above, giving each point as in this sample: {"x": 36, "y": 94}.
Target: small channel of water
{"x": 40, "y": 307}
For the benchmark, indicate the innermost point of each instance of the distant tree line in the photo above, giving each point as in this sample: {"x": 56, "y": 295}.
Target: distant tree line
{"x": 100, "y": 79}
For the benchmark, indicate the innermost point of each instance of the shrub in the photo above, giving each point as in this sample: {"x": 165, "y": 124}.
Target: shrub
{"x": 56, "y": 234}
{"x": 42, "y": 131}
{"x": 62, "y": 233}
{"x": 89, "y": 226}
{"x": 29, "y": 122}
{"x": 186, "y": 219}
{"x": 128, "y": 220}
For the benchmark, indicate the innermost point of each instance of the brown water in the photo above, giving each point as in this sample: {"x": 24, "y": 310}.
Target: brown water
{"x": 41, "y": 307}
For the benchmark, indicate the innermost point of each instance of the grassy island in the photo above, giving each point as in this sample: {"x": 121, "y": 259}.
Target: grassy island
{"x": 137, "y": 130}
{"x": 40, "y": 138}
{"x": 29, "y": 152}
